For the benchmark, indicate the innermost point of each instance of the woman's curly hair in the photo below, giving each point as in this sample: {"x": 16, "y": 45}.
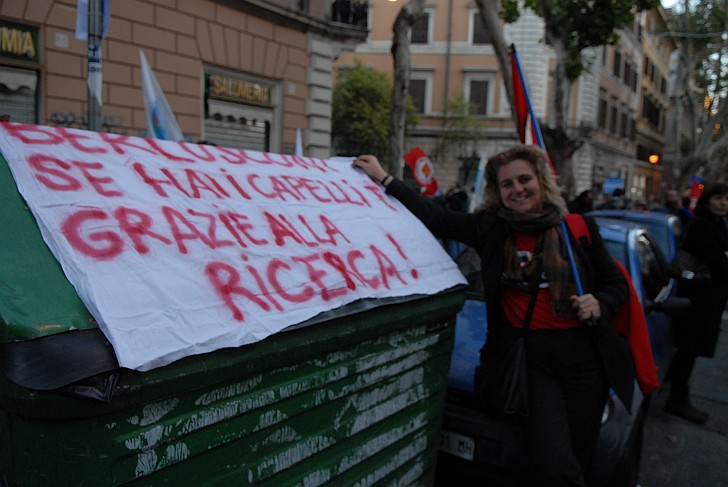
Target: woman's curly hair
{"x": 537, "y": 158}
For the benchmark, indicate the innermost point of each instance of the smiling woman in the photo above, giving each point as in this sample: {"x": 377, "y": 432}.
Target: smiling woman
{"x": 531, "y": 296}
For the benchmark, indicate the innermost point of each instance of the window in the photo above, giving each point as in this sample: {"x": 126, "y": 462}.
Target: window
{"x": 613, "y": 119}
{"x": 418, "y": 92}
{"x": 632, "y": 127}
{"x": 623, "y": 123}
{"x": 478, "y": 96}
{"x": 653, "y": 274}
{"x": 421, "y": 29}
{"x": 651, "y": 111}
{"x": 617, "y": 63}
{"x": 602, "y": 113}
{"x": 19, "y": 96}
{"x": 480, "y": 34}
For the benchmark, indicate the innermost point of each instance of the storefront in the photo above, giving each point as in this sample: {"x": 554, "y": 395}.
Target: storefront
{"x": 19, "y": 75}
{"x": 240, "y": 111}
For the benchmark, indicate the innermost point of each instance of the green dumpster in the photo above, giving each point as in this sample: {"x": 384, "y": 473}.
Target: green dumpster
{"x": 353, "y": 397}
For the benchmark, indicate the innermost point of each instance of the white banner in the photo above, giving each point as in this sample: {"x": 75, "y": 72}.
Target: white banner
{"x": 179, "y": 249}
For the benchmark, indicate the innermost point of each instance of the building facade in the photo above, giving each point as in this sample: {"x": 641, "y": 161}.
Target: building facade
{"x": 615, "y": 110}
{"x": 244, "y": 74}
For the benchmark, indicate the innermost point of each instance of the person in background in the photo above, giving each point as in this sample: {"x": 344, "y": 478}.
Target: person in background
{"x": 696, "y": 332}
{"x": 639, "y": 205}
{"x": 583, "y": 203}
{"x": 519, "y": 238}
{"x": 674, "y": 206}
{"x": 456, "y": 198}
{"x": 615, "y": 201}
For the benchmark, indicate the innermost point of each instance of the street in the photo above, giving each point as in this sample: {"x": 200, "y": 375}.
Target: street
{"x": 678, "y": 453}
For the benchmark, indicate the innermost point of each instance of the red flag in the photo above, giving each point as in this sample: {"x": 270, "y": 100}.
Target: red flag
{"x": 631, "y": 323}
{"x": 529, "y": 131}
{"x": 630, "y": 320}
{"x": 422, "y": 170}
{"x": 696, "y": 189}
{"x": 520, "y": 98}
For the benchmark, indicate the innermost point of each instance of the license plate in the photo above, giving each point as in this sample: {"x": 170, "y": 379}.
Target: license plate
{"x": 458, "y": 445}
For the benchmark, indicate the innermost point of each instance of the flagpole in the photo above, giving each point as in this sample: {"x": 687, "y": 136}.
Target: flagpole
{"x": 536, "y": 126}
{"x": 94, "y": 79}
{"x": 536, "y": 131}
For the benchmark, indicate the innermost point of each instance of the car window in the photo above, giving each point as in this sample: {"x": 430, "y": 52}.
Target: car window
{"x": 469, "y": 264}
{"x": 661, "y": 234}
{"x": 618, "y": 250}
{"x": 653, "y": 273}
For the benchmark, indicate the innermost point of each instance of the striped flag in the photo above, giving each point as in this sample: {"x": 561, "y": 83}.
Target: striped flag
{"x": 161, "y": 123}
{"x": 529, "y": 131}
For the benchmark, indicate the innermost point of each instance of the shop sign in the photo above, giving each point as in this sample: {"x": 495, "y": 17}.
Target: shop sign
{"x": 238, "y": 90}
{"x": 18, "y": 41}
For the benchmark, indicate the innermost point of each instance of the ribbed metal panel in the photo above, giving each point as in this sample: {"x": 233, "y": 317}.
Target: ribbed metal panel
{"x": 354, "y": 401}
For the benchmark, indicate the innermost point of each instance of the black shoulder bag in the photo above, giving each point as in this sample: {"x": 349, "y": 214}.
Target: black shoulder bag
{"x": 501, "y": 380}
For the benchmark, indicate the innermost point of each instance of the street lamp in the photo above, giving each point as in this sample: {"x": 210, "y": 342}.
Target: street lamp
{"x": 653, "y": 159}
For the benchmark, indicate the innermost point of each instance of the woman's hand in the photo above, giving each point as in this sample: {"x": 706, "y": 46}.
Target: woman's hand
{"x": 586, "y": 307}
{"x": 370, "y": 165}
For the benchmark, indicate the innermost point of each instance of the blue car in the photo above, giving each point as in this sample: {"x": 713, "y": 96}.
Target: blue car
{"x": 477, "y": 449}
{"x": 664, "y": 228}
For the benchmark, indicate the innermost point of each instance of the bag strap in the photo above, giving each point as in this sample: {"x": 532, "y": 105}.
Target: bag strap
{"x": 578, "y": 227}
{"x": 535, "y": 282}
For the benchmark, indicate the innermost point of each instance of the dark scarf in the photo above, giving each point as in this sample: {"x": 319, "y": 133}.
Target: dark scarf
{"x": 550, "y": 242}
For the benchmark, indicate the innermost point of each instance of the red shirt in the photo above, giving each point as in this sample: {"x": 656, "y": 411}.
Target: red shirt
{"x": 515, "y": 301}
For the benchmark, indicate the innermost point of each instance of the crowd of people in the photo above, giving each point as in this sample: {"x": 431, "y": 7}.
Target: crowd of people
{"x": 531, "y": 291}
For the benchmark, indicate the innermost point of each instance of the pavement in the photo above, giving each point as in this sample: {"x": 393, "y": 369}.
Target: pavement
{"x": 677, "y": 453}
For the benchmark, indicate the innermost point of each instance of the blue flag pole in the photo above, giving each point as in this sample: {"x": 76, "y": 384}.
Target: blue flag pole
{"x": 539, "y": 141}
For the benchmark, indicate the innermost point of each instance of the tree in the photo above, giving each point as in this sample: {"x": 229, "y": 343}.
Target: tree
{"x": 571, "y": 26}
{"x": 462, "y": 131}
{"x": 361, "y": 111}
{"x": 400, "y": 86}
{"x": 701, "y": 80}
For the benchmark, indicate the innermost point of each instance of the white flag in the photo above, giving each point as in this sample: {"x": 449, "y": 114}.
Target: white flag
{"x": 161, "y": 123}
{"x": 476, "y": 198}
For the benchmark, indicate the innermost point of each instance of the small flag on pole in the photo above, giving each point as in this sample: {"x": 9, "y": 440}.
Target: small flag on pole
{"x": 82, "y": 19}
{"x": 422, "y": 171}
{"x": 299, "y": 144}
{"x": 161, "y": 123}
{"x": 529, "y": 132}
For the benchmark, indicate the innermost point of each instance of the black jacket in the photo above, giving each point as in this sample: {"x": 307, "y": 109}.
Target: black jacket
{"x": 486, "y": 233}
{"x": 697, "y": 331}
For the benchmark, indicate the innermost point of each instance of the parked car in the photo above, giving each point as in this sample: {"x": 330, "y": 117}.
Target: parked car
{"x": 476, "y": 448}
{"x": 665, "y": 228}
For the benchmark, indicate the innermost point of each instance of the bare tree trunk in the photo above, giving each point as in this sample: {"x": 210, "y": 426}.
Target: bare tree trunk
{"x": 489, "y": 16}
{"x": 400, "y": 86}
{"x": 561, "y": 146}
